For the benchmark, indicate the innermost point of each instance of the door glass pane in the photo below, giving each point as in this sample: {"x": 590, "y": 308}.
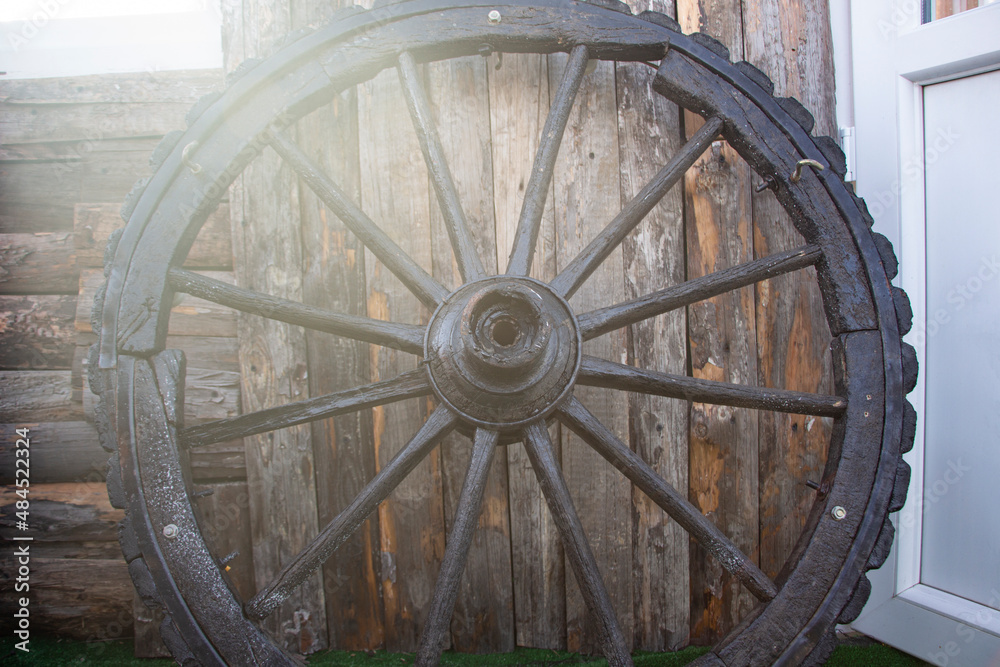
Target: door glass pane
{"x": 961, "y": 521}
{"x": 939, "y": 9}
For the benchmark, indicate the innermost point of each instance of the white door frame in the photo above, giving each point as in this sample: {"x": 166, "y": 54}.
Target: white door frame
{"x": 893, "y": 57}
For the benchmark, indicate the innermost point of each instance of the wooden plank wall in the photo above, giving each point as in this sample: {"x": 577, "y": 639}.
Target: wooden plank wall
{"x": 745, "y": 470}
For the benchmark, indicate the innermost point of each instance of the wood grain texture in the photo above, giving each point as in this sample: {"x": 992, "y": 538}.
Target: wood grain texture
{"x": 723, "y": 449}
{"x": 334, "y": 278}
{"x": 267, "y": 244}
{"x": 36, "y": 332}
{"x": 519, "y": 103}
{"x": 37, "y": 264}
{"x": 483, "y": 620}
{"x": 83, "y": 599}
{"x": 395, "y": 194}
{"x": 649, "y": 134}
{"x": 37, "y": 396}
{"x": 587, "y": 198}
{"x": 791, "y": 43}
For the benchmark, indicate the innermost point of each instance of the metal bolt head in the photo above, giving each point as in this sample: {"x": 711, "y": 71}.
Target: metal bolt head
{"x": 839, "y": 513}
{"x": 494, "y": 16}
{"x": 170, "y": 531}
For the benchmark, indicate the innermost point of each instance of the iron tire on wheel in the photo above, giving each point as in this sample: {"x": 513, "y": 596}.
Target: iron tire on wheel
{"x": 140, "y": 382}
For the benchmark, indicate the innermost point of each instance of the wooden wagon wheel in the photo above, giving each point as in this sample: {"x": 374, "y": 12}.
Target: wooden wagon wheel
{"x": 503, "y": 353}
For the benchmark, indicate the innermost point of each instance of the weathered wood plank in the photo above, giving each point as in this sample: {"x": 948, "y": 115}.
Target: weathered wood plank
{"x": 37, "y": 396}
{"x": 264, "y": 208}
{"x": 37, "y": 264}
{"x": 649, "y": 134}
{"x": 126, "y": 88}
{"x": 83, "y": 599}
{"x": 483, "y": 620}
{"x": 93, "y": 224}
{"x": 60, "y": 452}
{"x": 224, "y": 518}
{"x": 334, "y": 279}
{"x": 71, "y": 520}
{"x": 793, "y": 339}
{"x": 38, "y": 195}
{"x": 36, "y": 332}
{"x": 394, "y": 192}
{"x": 723, "y": 441}
{"x": 519, "y": 103}
{"x": 587, "y": 198}
{"x": 191, "y": 317}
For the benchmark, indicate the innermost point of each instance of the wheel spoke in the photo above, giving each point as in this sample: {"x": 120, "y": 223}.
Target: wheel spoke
{"x": 526, "y": 236}
{"x": 588, "y": 427}
{"x": 418, "y": 281}
{"x": 585, "y": 263}
{"x": 581, "y": 558}
{"x": 407, "y": 385}
{"x": 596, "y": 372}
{"x": 470, "y": 504}
{"x": 405, "y": 337}
{"x": 470, "y": 265}
{"x": 601, "y": 321}
{"x": 439, "y": 424}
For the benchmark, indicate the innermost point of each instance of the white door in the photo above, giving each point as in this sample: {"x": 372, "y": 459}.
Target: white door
{"x": 927, "y": 130}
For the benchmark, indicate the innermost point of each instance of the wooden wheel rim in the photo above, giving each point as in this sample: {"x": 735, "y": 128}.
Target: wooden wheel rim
{"x": 833, "y": 553}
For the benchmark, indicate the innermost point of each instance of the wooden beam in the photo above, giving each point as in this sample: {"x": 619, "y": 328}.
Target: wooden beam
{"x": 37, "y": 396}
{"x": 36, "y": 332}
{"x": 793, "y": 339}
{"x": 587, "y": 198}
{"x": 649, "y": 134}
{"x": 41, "y": 263}
{"x": 267, "y": 248}
{"x": 395, "y": 193}
{"x": 334, "y": 279}
{"x": 483, "y": 619}
{"x": 519, "y": 104}
{"x": 723, "y": 441}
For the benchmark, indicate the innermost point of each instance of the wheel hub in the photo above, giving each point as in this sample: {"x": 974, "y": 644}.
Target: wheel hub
{"x": 503, "y": 351}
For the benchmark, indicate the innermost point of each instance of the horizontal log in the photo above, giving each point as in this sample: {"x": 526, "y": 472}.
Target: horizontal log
{"x": 67, "y": 452}
{"x": 192, "y": 317}
{"x": 41, "y": 263}
{"x": 37, "y": 396}
{"x": 93, "y": 224}
{"x": 38, "y": 195}
{"x": 208, "y": 395}
{"x": 60, "y": 452}
{"x": 146, "y": 87}
{"x": 68, "y": 512}
{"x": 81, "y": 599}
{"x": 37, "y": 332}
{"x": 27, "y": 122}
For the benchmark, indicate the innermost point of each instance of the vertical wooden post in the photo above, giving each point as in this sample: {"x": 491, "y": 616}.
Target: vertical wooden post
{"x": 791, "y": 43}
{"x": 334, "y": 279}
{"x": 519, "y": 103}
{"x": 649, "y": 135}
{"x": 484, "y": 610}
{"x": 267, "y": 247}
{"x": 587, "y": 197}
{"x": 723, "y": 454}
{"x": 395, "y": 195}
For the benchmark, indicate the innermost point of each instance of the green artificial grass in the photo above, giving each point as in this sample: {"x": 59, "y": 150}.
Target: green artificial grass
{"x": 52, "y": 651}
